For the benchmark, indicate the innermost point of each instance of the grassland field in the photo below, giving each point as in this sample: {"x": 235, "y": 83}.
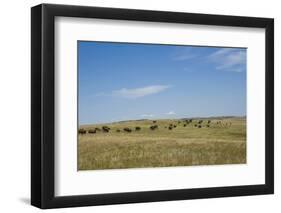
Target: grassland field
{"x": 223, "y": 142}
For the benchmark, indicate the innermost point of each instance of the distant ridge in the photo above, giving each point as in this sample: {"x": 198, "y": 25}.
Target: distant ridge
{"x": 159, "y": 119}
{"x": 213, "y": 117}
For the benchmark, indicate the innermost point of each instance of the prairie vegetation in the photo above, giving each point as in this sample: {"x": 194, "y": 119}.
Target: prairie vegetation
{"x": 162, "y": 143}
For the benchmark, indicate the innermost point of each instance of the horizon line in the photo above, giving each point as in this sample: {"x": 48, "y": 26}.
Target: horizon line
{"x": 147, "y": 119}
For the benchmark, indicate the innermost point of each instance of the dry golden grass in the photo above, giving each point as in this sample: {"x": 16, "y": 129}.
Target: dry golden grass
{"x": 182, "y": 146}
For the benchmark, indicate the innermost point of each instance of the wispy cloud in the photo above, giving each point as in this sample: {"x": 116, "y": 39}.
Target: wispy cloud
{"x": 229, "y": 59}
{"x": 139, "y": 92}
{"x": 147, "y": 115}
{"x": 185, "y": 54}
{"x": 170, "y": 113}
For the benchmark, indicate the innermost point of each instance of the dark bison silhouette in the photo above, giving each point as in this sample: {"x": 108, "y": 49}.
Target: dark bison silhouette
{"x": 126, "y": 129}
{"x": 105, "y": 129}
{"x": 154, "y": 127}
{"x": 82, "y": 131}
{"x": 137, "y": 128}
{"x": 92, "y": 131}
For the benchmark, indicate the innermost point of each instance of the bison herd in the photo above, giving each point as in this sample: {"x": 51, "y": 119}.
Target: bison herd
{"x": 171, "y": 126}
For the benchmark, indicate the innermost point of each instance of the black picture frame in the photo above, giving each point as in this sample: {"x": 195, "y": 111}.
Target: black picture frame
{"x": 43, "y": 102}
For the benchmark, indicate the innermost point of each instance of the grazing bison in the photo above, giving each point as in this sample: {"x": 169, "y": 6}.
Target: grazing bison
{"x": 154, "y": 127}
{"x": 195, "y": 125}
{"x": 138, "y": 128}
{"x": 126, "y": 129}
{"x": 200, "y": 121}
{"x": 92, "y": 131}
{"x": 105, "y": 129}
{"x": 154, "y": 122}
{"x": 184, "y": 125}
{"x": 209, "y": 121}
{"x": 199, "y": 126}
{"x": 82, "y": 131}
{"x": 207, "y": 125}
{"x": 170, "y": 127}
{"x": 175, "y": 126}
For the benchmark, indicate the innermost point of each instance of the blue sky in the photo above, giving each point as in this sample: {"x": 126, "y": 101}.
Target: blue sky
{"x": 124, "y": 81}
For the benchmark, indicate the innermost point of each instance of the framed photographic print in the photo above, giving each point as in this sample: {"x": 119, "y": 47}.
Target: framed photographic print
{"x": 139, "y": 106}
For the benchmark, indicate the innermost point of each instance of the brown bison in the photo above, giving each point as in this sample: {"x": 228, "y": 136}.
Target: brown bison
{"x": 82, "y": 131}
{"x": 137, "y": 128}
{"x": 105, "y": 129}
{"x": 92, "y": 131}
{"x": 126, "y": 129}
{"x": 154, "y": 127}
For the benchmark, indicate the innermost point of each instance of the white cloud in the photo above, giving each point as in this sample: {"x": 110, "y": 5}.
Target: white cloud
{"x": 229, "y": 59}
{"x": 139, "y": 92}
{"x": 170, "y": 113}
{"x": 185, "y": 54}
{"x": 147, "y": 115}
{"x": 101, "y": 94}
